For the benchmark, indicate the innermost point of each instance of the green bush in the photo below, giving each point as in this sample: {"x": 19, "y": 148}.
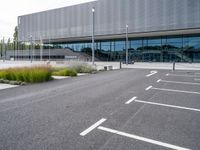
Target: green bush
{"x": 65, "y": 72}
{"x": 83, "y": 68}
{"x": 27, "y": 74}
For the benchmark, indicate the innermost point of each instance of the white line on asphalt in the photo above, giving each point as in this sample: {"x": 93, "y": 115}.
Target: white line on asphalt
{"x": 188, "y": 83}
{"x": 180, "y": 75}
{"x": 129, "y": 101}
{"x": 152, "y": 73}
{"x": 158, "y": 80}
{"x": 171, "y": 90}
{"x": 167, "y": 105}
{"x": 148, "y": 88}
{"x": 167, "y": 145}
{"x": 92, "y": 127}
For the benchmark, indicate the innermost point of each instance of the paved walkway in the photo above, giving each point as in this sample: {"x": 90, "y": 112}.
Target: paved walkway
{"x": 151, "y": 65}
{"x": 167, "y": 66}
{"x": 100, "y": 65}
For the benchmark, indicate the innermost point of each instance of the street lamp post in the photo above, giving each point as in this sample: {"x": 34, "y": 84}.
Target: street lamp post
{"x": 93, "y": 47}
{"x": 4, "y": 49}
{"x": 126, "y": 44}
{"x": 49, "y": 50}
{"x": 31, "y": 48}
{"x": 41, "y": 48}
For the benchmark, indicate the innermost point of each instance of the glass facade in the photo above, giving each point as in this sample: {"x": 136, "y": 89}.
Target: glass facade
{"x": 159, "y": 49}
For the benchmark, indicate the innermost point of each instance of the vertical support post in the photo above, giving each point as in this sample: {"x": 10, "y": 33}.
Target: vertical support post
{"x": 93, "y": 47}
{"x": 174, "y": 66}
{"x": 41, "y": 49}
{"x": 1, "y": 50}
{"x": 17, "y": 47}
{"x": 120, "y": 64}
{"x": 127, "y": 44}
{"x": 29, "y": 53}
{"x": 23, "y": 48}
{"x": 14, "y": 48}
{"x": 4, "y": 49}
{"x": 31, "y": 47}
{"x": 49, "y": 50}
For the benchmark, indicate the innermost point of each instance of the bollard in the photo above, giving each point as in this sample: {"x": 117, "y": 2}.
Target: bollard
{"x": 120, "y": 65}
{"x": 174, "y": 66}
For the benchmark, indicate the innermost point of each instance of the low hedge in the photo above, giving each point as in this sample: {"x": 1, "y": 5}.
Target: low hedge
{"x": 27, "y": 74}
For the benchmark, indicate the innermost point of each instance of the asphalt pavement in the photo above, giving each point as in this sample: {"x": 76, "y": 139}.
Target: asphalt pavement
{"x": 127, "y": 109}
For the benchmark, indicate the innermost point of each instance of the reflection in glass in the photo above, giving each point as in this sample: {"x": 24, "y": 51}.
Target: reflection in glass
{"x": 157, "y": 49}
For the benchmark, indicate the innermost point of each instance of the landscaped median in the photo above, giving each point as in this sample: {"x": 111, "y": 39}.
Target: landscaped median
{"x": 25, "y": 75}
{"x": 37, "y": 74}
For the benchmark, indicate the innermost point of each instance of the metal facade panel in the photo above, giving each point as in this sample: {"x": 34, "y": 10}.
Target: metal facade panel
{"x": 111, "y": 17}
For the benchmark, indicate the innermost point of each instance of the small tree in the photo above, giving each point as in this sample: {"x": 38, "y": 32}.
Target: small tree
{"x": 15, "y": 34}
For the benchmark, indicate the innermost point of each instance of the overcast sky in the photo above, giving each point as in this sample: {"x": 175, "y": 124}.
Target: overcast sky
{"x": 10, "y": 9}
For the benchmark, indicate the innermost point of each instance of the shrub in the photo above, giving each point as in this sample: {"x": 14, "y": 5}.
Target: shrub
{"x": 83, "y": 68}
{"x": 27, "y": 74}
{"x": 65, "y": 72}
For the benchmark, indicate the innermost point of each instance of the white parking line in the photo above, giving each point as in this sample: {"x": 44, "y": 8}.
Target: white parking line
{"x": 180, "y": 75}
{"x": 129, "y": 101}
{"x": 167, "y": 105}
{"x": 188, "y": 83}
{"x": 158, "y": 80}
{"x": 171, "y": 90}
{"x": 148, "y": 88}
{"x": 152, "y": 73}
{"x": 92, "y": 127}
{"x": 167, "y": 145}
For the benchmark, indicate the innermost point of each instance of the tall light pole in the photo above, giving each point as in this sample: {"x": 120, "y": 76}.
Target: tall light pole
{"x": 93, "y": 15}
{"x": 4, "y": 49}
{"x": 31, "y": 48}
{"x": 126, "y": 44}
{"x": 49, "y": 50}
{"x": 41, "y": 48}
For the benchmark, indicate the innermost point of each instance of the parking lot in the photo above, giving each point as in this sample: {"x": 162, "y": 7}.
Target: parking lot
{"x": 168, "y": 117}
{"x": 125, "y": 109}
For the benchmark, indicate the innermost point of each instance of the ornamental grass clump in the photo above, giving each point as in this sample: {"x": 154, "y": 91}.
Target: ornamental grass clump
{"x": 64, "y": 72}
{"x": 83, "y": 68}
{"x": 27, "y": 74}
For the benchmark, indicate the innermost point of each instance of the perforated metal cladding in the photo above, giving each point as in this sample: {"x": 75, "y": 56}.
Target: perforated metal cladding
{"x": 111, "y": 17}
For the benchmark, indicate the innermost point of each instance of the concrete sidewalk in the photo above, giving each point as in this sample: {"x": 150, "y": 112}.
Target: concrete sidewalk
{"x": 150, "y": 65}
{"x": 100, "y": 65}
{"x": 13, "y": 64}
{"x": 166, "y": 66}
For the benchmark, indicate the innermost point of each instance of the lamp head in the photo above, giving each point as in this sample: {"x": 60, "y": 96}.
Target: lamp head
{"x": 93, "y": 9}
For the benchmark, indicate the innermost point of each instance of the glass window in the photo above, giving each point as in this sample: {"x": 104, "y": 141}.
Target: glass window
{"x": 105, "y": 46}
{"x": 193, "y": 42}
{"x": 174, "y": 43}
{"x": 136, "y": 44}
{"x": 119, "y": 45}
{"x": 152, "y": 49}
{"x": 135, "y": 51}
{"x": 191, "y": 48}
